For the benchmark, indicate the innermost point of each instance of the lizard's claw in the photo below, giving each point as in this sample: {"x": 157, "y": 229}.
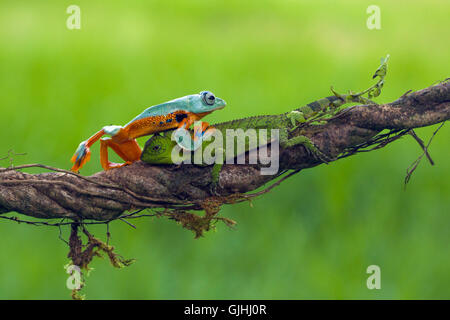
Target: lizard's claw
{"x": 313, "y": 150}
{"x": 323, "y": 157}
{"x": 319, "y": 155}
{"x": 213, "y": 188}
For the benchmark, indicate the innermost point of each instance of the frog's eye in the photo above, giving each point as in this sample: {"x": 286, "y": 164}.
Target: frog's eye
{"x": 208, "y": 98}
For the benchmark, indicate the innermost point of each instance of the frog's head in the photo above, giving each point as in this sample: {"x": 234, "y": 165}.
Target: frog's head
{"x": 205, "y": 101}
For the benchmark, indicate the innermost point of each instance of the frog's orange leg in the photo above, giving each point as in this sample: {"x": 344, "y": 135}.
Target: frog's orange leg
{"x": 83, "y": 153}
{"x": 200, "y": 130}
{"x": 186, "y": 122}
{"x": 122, "y": 141}
{"x": 128, "y": 151}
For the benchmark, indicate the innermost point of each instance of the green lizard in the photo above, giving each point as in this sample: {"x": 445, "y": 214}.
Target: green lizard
{"x": 159, "y": 149}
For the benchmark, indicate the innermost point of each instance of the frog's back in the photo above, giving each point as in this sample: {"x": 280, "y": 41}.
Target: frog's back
{"x": 180, "y": 105}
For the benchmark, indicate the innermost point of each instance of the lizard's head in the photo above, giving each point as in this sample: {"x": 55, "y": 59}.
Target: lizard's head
{"x": 158, "y": 150}
{"x": 205, "y": 101}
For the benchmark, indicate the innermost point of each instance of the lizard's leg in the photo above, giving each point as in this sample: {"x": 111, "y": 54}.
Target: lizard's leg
{"x": 296, "y": 116}
{"x": 309, "y": 145}
{"x": 215, "y": 174}
{"x": 128, "y": 151}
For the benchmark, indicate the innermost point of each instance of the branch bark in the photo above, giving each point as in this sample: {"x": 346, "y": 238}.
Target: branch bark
{"x": 107, "y": 194}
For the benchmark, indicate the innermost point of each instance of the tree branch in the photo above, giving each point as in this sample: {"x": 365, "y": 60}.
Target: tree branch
{"x": 106, "y": 195}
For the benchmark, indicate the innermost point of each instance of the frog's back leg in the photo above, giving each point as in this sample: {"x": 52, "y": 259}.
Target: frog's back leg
{"x": 128, "y": 151}
{"x": 83, "y": 152}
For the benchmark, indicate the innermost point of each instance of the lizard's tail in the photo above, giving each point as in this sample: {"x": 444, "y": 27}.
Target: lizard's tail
{"x": 321, "y": 104}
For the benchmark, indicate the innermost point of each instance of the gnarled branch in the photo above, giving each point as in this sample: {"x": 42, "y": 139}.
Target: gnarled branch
{"x": 107, "y": 195}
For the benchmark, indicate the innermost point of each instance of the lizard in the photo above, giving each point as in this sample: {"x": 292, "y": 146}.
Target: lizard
{"x": 178, "y": 113}
{"x": 158, "y": 149}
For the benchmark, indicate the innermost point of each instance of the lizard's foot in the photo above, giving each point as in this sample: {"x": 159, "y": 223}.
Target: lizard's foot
{"x": 313, "y": 150}
{"x": 296, "y": 116}
{"x": 310, "y": 147}
{"x": 320, "y": 155}
{"x": 213, "y": 188}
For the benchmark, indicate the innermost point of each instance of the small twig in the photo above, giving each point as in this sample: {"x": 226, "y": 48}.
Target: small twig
{"x": 420, "y": 142}
{"x": 377, "y": 142}
{"x": 406, "y": 93}
{"x": 273, "y": 185}
{"x": 60, "y": 233}
{"x": 108, "y": 234}
{"x": 9, "y": 156}
{"x": 128, "y": 223}
{"x": 416, "y": 162}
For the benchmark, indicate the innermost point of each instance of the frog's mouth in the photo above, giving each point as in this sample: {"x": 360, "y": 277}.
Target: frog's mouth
{"x": 219, "y": 104}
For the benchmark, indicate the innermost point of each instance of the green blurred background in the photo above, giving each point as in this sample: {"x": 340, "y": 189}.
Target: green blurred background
{"x": 312, "y": 237}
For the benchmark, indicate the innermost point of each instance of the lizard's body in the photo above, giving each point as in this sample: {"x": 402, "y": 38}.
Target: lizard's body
{"x": 159, "y": 148}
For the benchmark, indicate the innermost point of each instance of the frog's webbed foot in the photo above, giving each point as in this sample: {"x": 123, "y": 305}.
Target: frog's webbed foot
{"x": 81, "y": 156}
{"x": 113, "y": 165}
{"x": 175, "y": 167}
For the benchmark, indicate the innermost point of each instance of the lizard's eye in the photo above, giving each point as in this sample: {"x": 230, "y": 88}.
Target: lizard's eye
{"x": 208, "y": 98}
{"x": 156, "y": 148}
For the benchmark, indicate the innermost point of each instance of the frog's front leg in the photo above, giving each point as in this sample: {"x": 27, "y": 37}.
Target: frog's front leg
{"x": 185, "y": 120}
{"x": 83, "y": 152}
{"x": 200, "y": 130}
